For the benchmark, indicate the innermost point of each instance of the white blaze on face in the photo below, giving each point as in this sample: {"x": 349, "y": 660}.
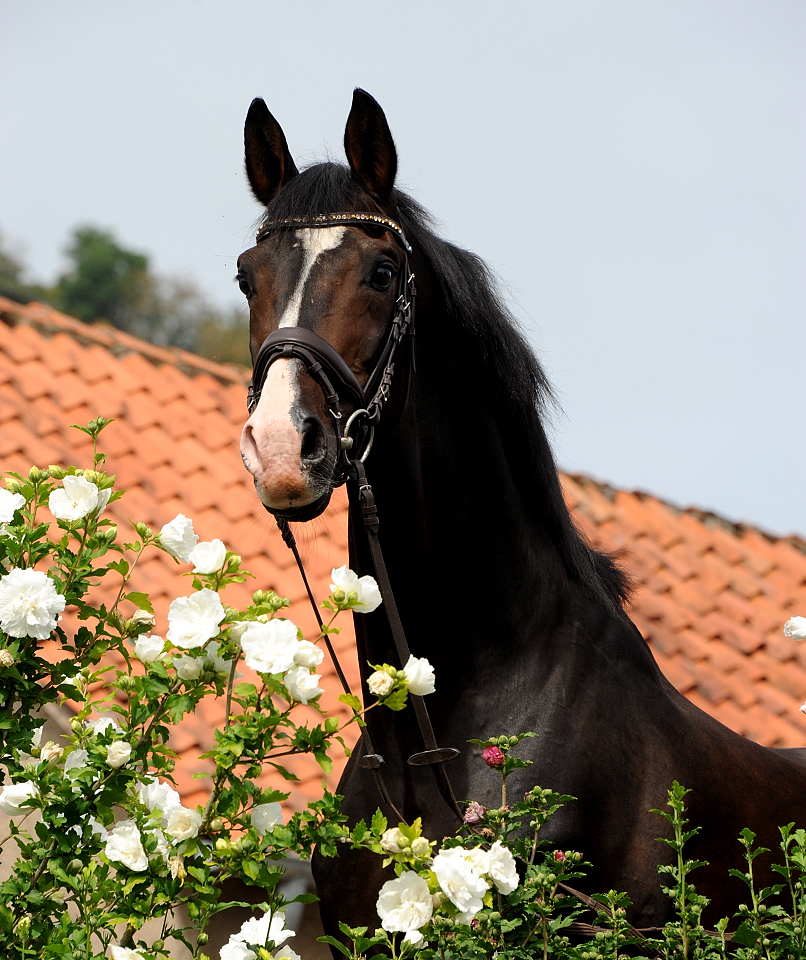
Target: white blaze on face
{"x": 315, "y": 241}
{"x": 271, "y": 446}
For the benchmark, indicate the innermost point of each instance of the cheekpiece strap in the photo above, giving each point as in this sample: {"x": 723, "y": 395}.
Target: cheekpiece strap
{"x": 335, "y": 220}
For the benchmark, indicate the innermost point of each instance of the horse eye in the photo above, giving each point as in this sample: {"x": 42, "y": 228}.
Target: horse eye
{"x": 243, "y": 283}
{"x": 381, "y": 278}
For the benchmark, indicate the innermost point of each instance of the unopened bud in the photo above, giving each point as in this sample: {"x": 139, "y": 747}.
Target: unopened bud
{"x": 35, "y": 474}
{"x": 24, "y": 927}
{"x": 202, "y": 939}
{"x": 216, "y": 824}
{"x": 144, "y": 619}
{"x": 57, "y": 473}
{"x": 142, "y": 531}
{"x": 6, "y": 658}
{"x": 109, "y": 533}
{"x": 339, "y": 595}
{"x": 158, "y": 945}
{"x": 13, "y": 485}
{"x": 76, "y": 725}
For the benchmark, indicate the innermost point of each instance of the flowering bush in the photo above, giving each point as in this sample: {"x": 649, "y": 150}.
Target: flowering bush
{"x": 105, "y": 842}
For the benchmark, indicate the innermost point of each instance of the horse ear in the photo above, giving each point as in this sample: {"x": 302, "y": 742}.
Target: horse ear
{"x": 269, "y": 165}
{"x": 369, "y": 146}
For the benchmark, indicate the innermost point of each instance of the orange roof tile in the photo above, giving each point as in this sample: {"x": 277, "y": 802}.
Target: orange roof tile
{"x": 711, "y": 600}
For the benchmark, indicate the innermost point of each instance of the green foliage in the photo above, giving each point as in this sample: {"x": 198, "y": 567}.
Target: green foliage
{"x": 12, "y": 279}
{"x": 107, "y": 282}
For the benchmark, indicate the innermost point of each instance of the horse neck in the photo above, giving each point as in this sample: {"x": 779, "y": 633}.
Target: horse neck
{"x": 467, "y": 542}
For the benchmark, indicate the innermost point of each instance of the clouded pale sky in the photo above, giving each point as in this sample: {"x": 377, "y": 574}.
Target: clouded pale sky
{"x": 633, "y": 171}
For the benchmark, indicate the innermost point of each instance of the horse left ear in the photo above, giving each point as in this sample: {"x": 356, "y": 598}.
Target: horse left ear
{"x": 369, "y": 146}
{"x": 269, "y": 165}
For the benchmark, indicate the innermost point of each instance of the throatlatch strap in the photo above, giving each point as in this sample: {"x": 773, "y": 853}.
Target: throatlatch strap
{"x": 371, "y": 760}
{"x": 433, "y": 755}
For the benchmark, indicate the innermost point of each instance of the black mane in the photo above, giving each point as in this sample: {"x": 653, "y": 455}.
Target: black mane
{"x": 471, "y": 298}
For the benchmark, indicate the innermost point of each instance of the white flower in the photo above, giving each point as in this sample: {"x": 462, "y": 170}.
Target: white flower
{"x": 392, "y": 840}
{"x": 16, "y": 796}
{"x": 266, "y": 816}
{"x": 103, "y": 499}
{"x": 188, "y": 668}
{"x": 73, "y": 501}
{"x": 116, "y": 952}
{"x": 29, "y": 604}
{"x": 158, "y": 795}
{"x": 795, "y": 627}
{"x": 99, "y": 726}
{"x": 270, "y": 647}
{"x": 36, "y": 739}
{"x": 420, "y": 848}
{"x": 51, "y": 751}
{"x": 179, "y": 538}
{"x": 208, "y": 557}
{"x": 501, "y": 868}
{"x": 176, "y": 865}
{"x": 459, "y": 882}
{"x": 194, "y": 620}
{"x": 6, "y": 658}
{"x": 302, "y": 684}
{"x": 286, "y": 953}
{"x": 308, "y": 654}
{"x": 380, "y": 683}
{"x": 368, "y": 596}
{"x": 118, "y": 753}
{"x": 404, "y": 904}
{"x": 149, "y": 647}
{"x": 162, "y": 849}
{"x": 420, "y": 675}
{"x": 182, "y": 823}
{"x": 257, "y": 932}
{"x": 98, "y": 829}
{"x": 76, "y": 761}
{"x": 125, "y": 846}
{"x": 9, "y": 503}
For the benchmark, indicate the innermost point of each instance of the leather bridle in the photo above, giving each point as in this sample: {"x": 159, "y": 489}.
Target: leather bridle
{"x": 338, "y": 383}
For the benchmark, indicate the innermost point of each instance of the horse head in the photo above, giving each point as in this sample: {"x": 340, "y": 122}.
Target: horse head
{"x": 329, "y": 300}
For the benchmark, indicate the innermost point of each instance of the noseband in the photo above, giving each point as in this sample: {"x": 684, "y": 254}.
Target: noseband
{"x": 326, "y": 366}
{"x": 339, "y": 383}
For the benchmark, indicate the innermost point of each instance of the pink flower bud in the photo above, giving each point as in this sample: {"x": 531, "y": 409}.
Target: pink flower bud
{"x": 474, "y": 813}
{"x": 493, "y": 757}
{"x": 559, "y": 856}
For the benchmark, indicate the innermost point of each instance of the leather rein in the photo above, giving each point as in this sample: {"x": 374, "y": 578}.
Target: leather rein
{"x": 338, "y": 383}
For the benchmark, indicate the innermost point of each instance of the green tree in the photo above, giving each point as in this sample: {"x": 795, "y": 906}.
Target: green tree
{"x": 12, "y": 279}
{"x": 107, "y": 282}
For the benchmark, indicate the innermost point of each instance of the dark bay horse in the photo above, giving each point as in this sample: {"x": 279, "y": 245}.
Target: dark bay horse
{"x": 522, "y": 621}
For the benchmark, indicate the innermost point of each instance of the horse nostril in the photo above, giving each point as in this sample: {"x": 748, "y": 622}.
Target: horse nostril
{"x": 314, "y": 444}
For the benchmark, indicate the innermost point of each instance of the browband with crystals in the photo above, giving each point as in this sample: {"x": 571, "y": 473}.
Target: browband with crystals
{"x": 334, "y": 220}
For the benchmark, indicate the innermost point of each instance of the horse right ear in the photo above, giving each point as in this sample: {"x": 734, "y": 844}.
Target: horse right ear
{"x": 369, "y": 146}
{"x": 269, "y": 165}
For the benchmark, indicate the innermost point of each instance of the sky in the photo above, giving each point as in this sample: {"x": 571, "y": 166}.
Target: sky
{"x": 632, "y": 170}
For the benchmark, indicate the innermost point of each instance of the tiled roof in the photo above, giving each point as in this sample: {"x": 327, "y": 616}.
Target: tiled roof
{"x": 711, "y": 596}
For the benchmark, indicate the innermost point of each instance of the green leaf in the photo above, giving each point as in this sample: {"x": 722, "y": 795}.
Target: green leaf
{"x": 745, "y": 935}
{"x": 139, "y": 600}
{"x": 379, "y": 823}
{"x": 337, "y": 944}
{"x": 352, "y": 701}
